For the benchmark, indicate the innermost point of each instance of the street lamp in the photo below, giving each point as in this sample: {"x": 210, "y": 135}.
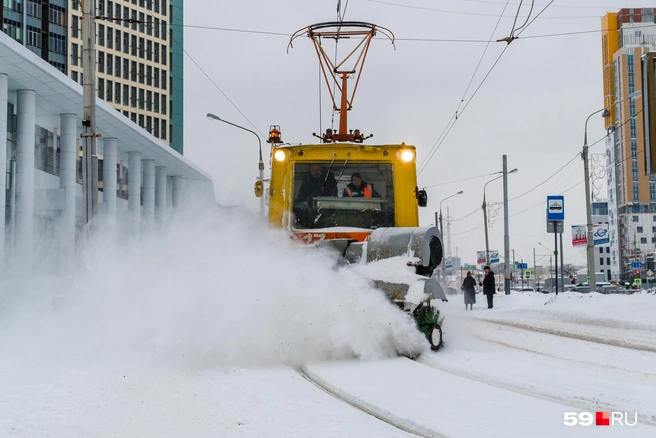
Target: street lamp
{"x": 442, "y": 232}
{"x": 487, "y": 243}
{"x": 211, "y": 116}
{"x": 588, "y": 201}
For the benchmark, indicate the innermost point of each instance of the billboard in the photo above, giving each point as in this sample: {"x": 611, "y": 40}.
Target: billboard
{"x": 600, "y": 234}
{"x": 578, "y": 235}
{"x": 480, "y": 257}
{"x": 494, "y": 257}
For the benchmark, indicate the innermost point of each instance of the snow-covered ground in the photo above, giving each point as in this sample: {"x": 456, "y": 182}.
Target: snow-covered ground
{"x": 224, "y": 330}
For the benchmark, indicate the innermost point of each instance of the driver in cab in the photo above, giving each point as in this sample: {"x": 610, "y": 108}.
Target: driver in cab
{"x": 319, "y": 182}
{"x": 358, "y": 188}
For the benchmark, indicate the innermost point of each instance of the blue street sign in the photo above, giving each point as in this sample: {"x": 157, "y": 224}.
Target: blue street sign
{"x": 555, "y": 208}
{"x": 494, "y": 257}
{"x": 636, "y": 265}
{"x": 522, "y": 265}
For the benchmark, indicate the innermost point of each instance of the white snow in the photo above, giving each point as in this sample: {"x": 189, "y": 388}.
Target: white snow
{"x": 201, "y": 332}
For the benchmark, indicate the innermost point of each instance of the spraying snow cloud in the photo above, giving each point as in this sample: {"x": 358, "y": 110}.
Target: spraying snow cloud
{"x": 220, "y": 290}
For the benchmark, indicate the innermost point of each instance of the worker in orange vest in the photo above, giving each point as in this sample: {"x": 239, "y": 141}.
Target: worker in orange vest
{"x": 359, "y": 189}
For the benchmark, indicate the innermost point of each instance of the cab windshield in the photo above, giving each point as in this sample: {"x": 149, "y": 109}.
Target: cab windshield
{"x": 354, "y": 195}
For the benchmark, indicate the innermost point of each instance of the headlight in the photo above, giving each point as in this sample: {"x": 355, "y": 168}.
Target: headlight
{"x": 279, "y": 156}
{"x": 407, "y": 156}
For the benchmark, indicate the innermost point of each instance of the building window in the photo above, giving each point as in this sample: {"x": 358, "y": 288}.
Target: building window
{"x": 57, "y": 43}
{"x": 156, "y": 103}
{"x": 110, "y": 90}
{"x": 164, "y": 30}
{"x": 643, "y": 240}
{"x": 133, "y": 75}
{"x": 141, "y": 48}
{"x": 134, "y": 19}
{"x": 156, "y": 4}
{"x": 601, "y": 261}
{"x": 126, "y": 42}
{"x": 142, "y": 20}
{"x": 164, "y": 79}
{"x": 101, "y": 88}
{"x": 634, "y": 218}
{"x": 149, "y": 75}
{"x": 33, "y": 36}
{"x": 156, "y": 53}
{"x": 164, "y": 54}
{"x": 149, "y": 50}
{"x": 117, "y": 93}
{"x": 75, "y": 28}
{"x": 101, "y": 62}
{"x": 117, "y": 11}
{"x": 133, "y": 97}
{"x": 133, "y": 49}
{"x": 110, "y": 9}
{"x": 57, "y": 15}
{"x": 101, "y": 34}
{"x": 156, "y": 78}
{"x": 639, "y": 229}
{"x": 163, "y": 7}
{"x": 110, "y": 64}
{"x": 126, "y": 94}
{"x": 149, "y": 124}
{"x": 110, "y": 38}
{"x": 74, "y": 54}
{"x": 32, "y": 9}
{"x": 156, "y": 127}
{"x": 149, "y": 100}
{"x": 149, "y": 25}
{"x": 156, "y": 27}
{"x": 117, "y": 40}
{"x": 608, "y": 260}
{"x": 163, "y": 110}
{"x": 74, "y": 75}
{"x": 636, "y": 192}
{"x": 117, "y": 66}
{"x": 141, "y": 99}
{"x": 133, "y": 117}
{"x": 141, "y": 120}
{"x": 163, "y": 130}
{"x": 141, "y": 73}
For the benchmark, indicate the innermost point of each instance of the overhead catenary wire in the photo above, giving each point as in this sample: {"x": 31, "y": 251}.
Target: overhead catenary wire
{"x": 479, "y": 14}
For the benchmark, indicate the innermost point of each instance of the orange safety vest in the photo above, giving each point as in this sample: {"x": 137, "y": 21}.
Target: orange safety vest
{"x": 368, "y": 190}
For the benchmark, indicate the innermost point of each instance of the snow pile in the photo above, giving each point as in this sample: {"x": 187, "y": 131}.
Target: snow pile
{"x": 217, "y": 291}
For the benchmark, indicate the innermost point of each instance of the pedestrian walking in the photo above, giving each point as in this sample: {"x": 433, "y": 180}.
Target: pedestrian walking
{"x": 468, "y": 286}
{"x": 488, "y": 286}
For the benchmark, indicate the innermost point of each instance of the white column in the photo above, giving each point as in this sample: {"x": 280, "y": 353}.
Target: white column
{"x": 109, "y": 177}
{"x": 134, "y": 188}
{"x": 26, "y": 116}
{"x": 149, "y": 193}
{"x": 160, "y": 193}
{"x": 67, "y": 173}
{"x": 3, "y": 162}
{"x": 177, "y": 192}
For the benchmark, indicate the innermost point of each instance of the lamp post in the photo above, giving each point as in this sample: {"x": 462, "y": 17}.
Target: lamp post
{"x": 211, "y": 116}
{"x": 442, "y": 232}
{"x": 588, "y": 201}
{"x": 487, "y": 243}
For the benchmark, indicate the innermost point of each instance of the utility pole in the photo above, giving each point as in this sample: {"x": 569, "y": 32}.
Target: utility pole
{"x": 89, "y": 134}
{"x": 535, "y": 272}
{"x": 506, "y": 237}
{"x": 562, "y": 262}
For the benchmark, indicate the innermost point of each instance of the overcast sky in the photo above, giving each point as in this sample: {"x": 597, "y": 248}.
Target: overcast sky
{"x": 532, "y": 106}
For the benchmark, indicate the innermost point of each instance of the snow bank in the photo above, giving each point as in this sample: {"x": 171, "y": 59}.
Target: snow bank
{"x": 219, "y": 289}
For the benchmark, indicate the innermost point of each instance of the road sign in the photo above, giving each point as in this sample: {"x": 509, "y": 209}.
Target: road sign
{"x": 636, "y": 264}
{"x": 637, "y": 281}
{"x": 522, "y": 265}
{"x": 554, "y": 226}
{"x": 650, "y": 273}
{"x": 527, "y": 273}
{"x": 555, "y": 208}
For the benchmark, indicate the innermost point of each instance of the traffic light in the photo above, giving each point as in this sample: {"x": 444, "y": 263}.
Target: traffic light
{"x": 637, "y": 271}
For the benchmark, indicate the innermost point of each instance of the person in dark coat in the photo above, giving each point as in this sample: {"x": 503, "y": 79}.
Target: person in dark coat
{"x": 318, "y": 182}
{"x": 488, "y": 286}
{"x": 469, "y": 285}
{"x": 358, "y": 188}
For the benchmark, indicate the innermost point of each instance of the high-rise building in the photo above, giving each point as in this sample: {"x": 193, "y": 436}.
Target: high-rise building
{"x": 139, "y": 54}
{"x": 626, "y": 36}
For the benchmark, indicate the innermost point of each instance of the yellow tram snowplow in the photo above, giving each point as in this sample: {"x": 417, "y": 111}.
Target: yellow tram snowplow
{"x": 313, "y": 193}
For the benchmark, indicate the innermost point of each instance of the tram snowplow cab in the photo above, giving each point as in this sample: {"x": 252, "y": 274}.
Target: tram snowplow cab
{"x": 358, "y": 199}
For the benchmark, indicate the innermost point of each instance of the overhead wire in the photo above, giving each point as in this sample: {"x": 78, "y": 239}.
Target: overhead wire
{"x": 479, "y": 14}
{"x": 234, "y": 105}
{"x": 454, "y": 118}
{"x": 557, "y": 6}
